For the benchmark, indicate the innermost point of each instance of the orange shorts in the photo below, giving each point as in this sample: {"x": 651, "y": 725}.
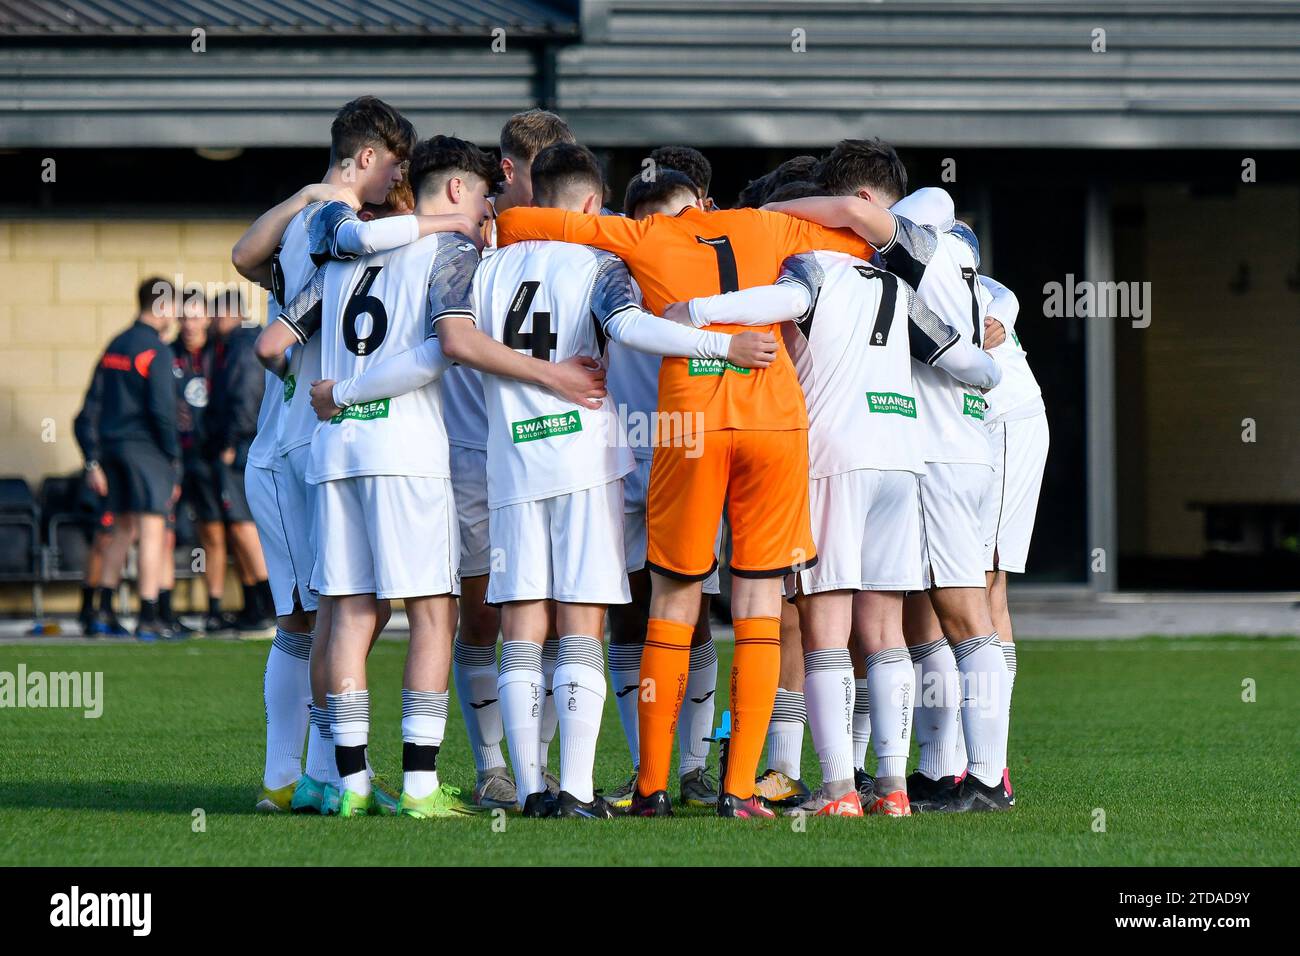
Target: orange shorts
{"x": 761, "y": 477}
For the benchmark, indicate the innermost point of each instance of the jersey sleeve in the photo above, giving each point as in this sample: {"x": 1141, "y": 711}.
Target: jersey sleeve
{"x": 803, "y": 271}
{"x": 612, "y": 291}
{"x": 616, "y": 234}
{"x": 303, "y": 314}
{"x": 402, "y": 373}
{"x": 1004, "y": 307}
{"x": 86, "y": 425}
{"x": 345, "y": 236}
{"x": 927, "y": 206}
{"x": 801, "y": 235}
{"x": 911, "y": 251}
{"x": 451, "y": 284}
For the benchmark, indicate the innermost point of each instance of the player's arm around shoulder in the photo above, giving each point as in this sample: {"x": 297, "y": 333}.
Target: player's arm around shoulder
{"x": 297, "y": 322}
{"x": 252, "y": 253}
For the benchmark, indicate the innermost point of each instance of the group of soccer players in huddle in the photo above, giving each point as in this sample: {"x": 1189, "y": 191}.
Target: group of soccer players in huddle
{"x": 514, "y": 410}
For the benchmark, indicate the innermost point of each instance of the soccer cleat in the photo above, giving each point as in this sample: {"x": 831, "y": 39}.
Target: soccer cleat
{"x": 552, "y": 783}
{"x": 891, "y": 805}
{"x": 926, "y": 795}
{"x": 151, "y": 631}
{"x": 539, "y": 804}
{"x": 106, "y": 624}
{"x": 570, "y": 806}
{"x": 975, "y": 797}
{"x": 308, "y": 795}
{"x": 781, "y": 790}
{"x": 353, "y": 804}
{"x": 179, "y": 628}
{"x": 655, "y": 805}
{"x": 698, "y": 789}
{"x": 753, "y": 808}
{"x": 275, "y": 801}
{"x": 819, "y": 804}
{"x": 218, "y": 623}
{"x": 443, "y": 802}
{"x": 329, "y": 801}
{"x": 386, "y": 798}
{"x": 620, "y": 798}
{"x": 1006, "y": 782}
{"x": 495, "y": 789}
{"x": 865, "y": 784}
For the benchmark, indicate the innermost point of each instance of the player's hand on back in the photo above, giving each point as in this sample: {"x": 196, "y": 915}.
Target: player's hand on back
{"x": 994, "y": 333}
{"x": 322, "y": 399}
{"x": 580, "y": 380}
{"x": 752, "y": 349}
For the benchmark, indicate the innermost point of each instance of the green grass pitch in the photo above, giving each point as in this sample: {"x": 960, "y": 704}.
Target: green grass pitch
{"x": 1153, "y": 733}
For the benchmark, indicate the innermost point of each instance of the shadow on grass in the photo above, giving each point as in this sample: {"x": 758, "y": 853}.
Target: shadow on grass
{"x": 127, "y": 795}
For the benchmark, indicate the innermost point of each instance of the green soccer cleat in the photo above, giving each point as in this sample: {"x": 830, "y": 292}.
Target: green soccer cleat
{"x": 275, "y": 801}
{"x": 443, "y": 802}
{"x": 307, "y": 795}
{"x": 387, "y": 798}
{"x": 329, "y": 801}
{"x": 353, "y": 804}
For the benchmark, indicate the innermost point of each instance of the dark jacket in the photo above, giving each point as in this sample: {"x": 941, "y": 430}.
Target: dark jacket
{"x": 131, "y": 397}
{"x": 193, "y": 376}
{"x": 238, "y": 381}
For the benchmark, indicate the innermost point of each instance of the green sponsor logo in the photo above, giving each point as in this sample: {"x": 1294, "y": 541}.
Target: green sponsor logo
{"x": 1015, "y": 338}
{"x": 290, "y": 386}
{"x": 700, "y": 366}
{"x": 364, "y": 411}
{"x": 973, "y": 406}
{"x": 891, "y": 403}
{"x": 547, "y": 426}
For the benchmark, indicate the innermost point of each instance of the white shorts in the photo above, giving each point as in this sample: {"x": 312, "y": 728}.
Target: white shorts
{"x": 636, "y": 483}
{"x": 392, "y": 536}
{"x": 282, "y": 510}
{"x": 867, "y": 526}
{"x": 952, "y": 541}
{"x": 469, "y": 481}
{"x": 1019, "y": 451}
{"x": 568, "y": 548}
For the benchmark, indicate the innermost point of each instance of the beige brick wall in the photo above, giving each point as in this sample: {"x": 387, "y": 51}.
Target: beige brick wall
{"x": 66, "y": 287}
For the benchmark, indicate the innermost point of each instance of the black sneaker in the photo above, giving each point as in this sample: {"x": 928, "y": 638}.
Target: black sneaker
{"x": 656, "y": 805}
{"x": 975, "y": 797}
{"x": 752, "y": 808}
{"x": 926, "y": 795}
{"x": 105, "y": 623}
{"x": 250, "y": 621}
{"x": 179, "y": 628}
{"x": 865, "y": 784}
{"x": 217, "y": 623}
{"x": 150, "y": 631}
{"x": 571, "y": 806}
{"x": 540, "y": 804}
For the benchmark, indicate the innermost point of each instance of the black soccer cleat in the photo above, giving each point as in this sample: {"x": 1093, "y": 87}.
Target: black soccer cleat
{"x": 218, "y": 623}
{"x": 865, "y": 784}
{"x": 926, "y": 795}
{"x": 657, "y": 804}
{"x": 571, "y": 806}
{"x": 750, "y": 808}
{"x": 972, "y": 796}
{"x": 105, "y": 623}
{"x": 540, "y": 804}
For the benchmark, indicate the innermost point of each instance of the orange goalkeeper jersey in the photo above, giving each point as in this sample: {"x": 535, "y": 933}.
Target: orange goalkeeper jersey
{"x": 697, "y": 253}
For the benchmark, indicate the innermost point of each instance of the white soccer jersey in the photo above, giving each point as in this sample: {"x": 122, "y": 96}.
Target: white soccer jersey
{"x": 365, "y": 310}
{"x": 262, "y": 450}
{"x": 854, "y": 360}
{"x": 942, "y": 271}
{"x": 463, "y": 404}
{"x": 633, "y": 382}
{"x": 552, "y": 300}
{"x": 1018, "y": 395}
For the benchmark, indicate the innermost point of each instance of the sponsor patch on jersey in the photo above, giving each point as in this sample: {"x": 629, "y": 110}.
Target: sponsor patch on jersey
{"x": 699, "y": 366}
{"x": 546, "y": 426}
{"x": 974, "y": 406}
{"x": 290, "y": 386}
{"x": 891, "y": 403}
{"x": 364, "y": 411}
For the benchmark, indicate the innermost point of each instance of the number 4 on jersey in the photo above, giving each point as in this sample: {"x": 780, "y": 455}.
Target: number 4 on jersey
{"x": 541, "y": 341}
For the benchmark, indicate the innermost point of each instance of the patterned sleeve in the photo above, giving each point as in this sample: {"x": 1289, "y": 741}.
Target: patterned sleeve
{"x": 804, "y": 270}
{"x": 612, "y": 291}
{"x": 303, "y": 314}
{"x": 928, "y": 335}
{"x": 911, "y": 251}
{"x": 323, "y": 228}
{"x": 451, "y": 282}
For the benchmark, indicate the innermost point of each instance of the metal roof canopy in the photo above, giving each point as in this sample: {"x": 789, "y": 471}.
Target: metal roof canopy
{"x": 1175, "y": 74}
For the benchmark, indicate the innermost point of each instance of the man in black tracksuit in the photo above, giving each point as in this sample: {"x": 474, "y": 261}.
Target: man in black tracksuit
{"x": 127, "y": 433}
{"x": 238, "y": 381}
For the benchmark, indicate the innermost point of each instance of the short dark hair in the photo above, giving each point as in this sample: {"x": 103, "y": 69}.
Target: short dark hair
{"x": 564, "y": 166}
{"x": 863, "y": 163}
{"x": 793, "y": 170}
{"x": 687, "y": 160}
{"x": 796, "y": 190}
{"x": 666, "y": 182}
{"x": 755, "y": 192}
{"x": 528, "y": 133}
{"x": 153, "y": 289}
{"x": 369, "y": 121}
{"x": 447, "y": 154}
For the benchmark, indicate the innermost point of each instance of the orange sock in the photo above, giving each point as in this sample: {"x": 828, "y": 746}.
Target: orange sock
{"x": 755, "y": 672}
{"x": 665, "y": 662}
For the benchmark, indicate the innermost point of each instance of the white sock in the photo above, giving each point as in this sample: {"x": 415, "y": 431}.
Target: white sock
{"x": 785, "y": 732}
{"x": 475, "y": 674}
{"x": 828, "y": 692}
{"x": 861, "y": 722}
{"x": 286, "y": 690}
{"x": 580, "y": 700}
{"x": 320, "y": 747}
{"x": 424, "y": 722}
{"x": 937, "y": 710}
{"x": 1009, "y": 655}
{"x": 890, "y": 679}
{"x": 625, "y": 679}
{"x": 696, "y": 720}
{"x": 350, "y": 721}
{"x": 550, "y": 654}
{"x": 984, "y": 681}
{"x": 522, "y": 695}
